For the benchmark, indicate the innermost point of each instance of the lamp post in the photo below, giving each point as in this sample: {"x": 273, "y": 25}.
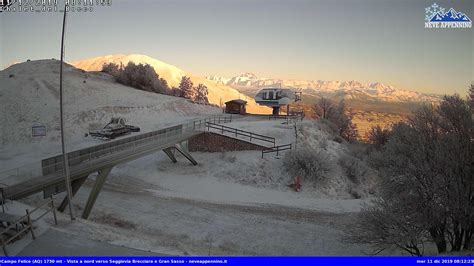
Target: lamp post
{"x": 65, "y": 159}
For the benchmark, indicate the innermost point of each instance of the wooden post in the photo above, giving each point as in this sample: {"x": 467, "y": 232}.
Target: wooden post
{"x": 30, "y": 224}
{"x": 3, "y": 200}
{"x": 4, "y": 248}
{"x": 99, "y": 183}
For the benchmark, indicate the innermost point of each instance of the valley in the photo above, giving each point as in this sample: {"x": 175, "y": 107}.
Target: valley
{"x": 370, "y": 104}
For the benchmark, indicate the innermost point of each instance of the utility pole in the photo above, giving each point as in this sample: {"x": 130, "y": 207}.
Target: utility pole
{"x": 65, "y": 159}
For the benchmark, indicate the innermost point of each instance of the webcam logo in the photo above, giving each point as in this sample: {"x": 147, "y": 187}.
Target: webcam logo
{"x": 436, "y": 17}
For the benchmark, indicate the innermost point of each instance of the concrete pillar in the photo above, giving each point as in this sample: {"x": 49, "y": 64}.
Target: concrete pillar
{"x": 76, "y": 185}
{"x": 184, "y": 145}
{"x": 170, "y": 154}
{"x": 99, "y": 183}
{"x": 185, "y": 154}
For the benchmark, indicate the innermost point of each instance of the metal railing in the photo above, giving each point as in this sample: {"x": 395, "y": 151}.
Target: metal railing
{"x": 214, "y": 120}
{"x": 288, "y": 118}
{"x": 137, "y": 143}
{"x": 51, "y": 208}
{"x": 277, "y": 149}
{"x": 238, "y": 132}
{"x": 25, "y": 223}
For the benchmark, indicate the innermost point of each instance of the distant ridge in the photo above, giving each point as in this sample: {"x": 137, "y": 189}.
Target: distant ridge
{"x": 352, "y": 89}
{"x": 218, "y": 93}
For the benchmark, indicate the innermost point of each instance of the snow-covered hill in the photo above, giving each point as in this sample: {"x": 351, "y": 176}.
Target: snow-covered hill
{"x": 218, "y": 93}
{"x": 29, "y": 96}
{"x": 346, "y": 89}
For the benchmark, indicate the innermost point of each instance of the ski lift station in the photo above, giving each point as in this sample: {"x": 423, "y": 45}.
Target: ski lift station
{"x": 276, "y": 98}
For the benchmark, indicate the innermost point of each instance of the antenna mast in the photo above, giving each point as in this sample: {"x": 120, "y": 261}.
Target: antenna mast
{"x": 61, "y": 111}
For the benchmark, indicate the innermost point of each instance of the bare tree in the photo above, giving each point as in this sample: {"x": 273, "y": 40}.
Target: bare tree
{"x": 340, "y": 118}
{"x": 385, "y": 225}
{"x": 471, "y": 98}
{"x": 323, "y": 108}
{"x": 378, "y": 136}
{"x": 427, "y": 182}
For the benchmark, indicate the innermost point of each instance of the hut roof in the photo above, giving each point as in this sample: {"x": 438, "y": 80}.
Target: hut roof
{"x": 239, "y": 101}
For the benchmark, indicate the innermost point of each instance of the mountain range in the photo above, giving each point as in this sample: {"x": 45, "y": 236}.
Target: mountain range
{"x": 355, "y": 90}
{"x": 218, "y": 93}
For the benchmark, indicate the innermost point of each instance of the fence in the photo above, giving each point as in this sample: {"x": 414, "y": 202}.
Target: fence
{"x": 214, "y": 120}
{"x": 277, "y": 149}
{"x": 239, "y": 132}
{"x": 25, "y": 222}
{"x": 55, "y": 164}
{"x": 288, "y": 118}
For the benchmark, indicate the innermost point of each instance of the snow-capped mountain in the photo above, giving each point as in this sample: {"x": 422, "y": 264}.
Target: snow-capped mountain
{"x": 218, "y": 93}
{"x": 218, "y": 80}
{"x": 347, "y": 89}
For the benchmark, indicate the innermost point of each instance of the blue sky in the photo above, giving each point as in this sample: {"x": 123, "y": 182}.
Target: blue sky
{"x": 364, "y": 40}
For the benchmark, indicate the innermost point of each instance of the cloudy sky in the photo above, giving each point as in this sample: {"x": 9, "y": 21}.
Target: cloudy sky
{"x": 364, "y": 40}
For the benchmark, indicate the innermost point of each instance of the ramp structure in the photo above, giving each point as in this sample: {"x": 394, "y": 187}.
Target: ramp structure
{"x": 101, "y": 159}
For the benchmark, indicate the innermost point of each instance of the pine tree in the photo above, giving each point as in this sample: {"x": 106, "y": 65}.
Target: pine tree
{"x": 186, "y": 88}
{"x": 201, "y": 93}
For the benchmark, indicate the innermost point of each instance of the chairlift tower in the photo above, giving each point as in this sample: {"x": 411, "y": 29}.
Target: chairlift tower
{"x": 277, "y": 98}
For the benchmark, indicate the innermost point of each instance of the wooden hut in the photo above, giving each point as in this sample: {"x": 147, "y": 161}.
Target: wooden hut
{"x": 236, "y": 107}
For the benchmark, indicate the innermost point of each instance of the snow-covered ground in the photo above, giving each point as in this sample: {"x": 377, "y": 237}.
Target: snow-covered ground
{"x": 29, "y": 96}
{"x": 230, "y": 203}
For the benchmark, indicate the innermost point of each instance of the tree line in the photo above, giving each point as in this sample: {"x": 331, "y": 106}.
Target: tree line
{"x": 426, "y": 191}
{"x": 339, "y": 118}
{"x": 144, "y": 77}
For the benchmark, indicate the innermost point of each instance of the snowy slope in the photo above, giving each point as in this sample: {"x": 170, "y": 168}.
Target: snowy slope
{"x": 350, "y": 89}
{"x": 29, "y": 96}
{"x": 217, "y": 92}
